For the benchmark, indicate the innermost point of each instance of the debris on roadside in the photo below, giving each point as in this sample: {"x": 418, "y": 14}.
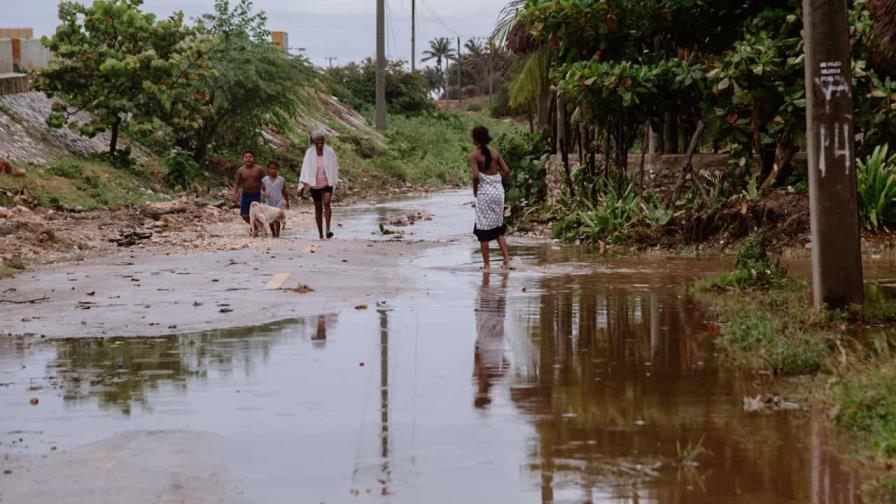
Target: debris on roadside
{"x": 762, "y": 403}
{"x": 411, "y": 218}
{"x": 131, "y": 238}
{"x": 303, "y": 288}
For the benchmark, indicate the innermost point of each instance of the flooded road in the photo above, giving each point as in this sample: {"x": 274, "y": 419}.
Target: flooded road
{"x": 574, "y": 379}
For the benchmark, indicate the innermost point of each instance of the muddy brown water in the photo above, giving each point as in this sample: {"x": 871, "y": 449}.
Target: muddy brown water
{"x": 573, "y": 379}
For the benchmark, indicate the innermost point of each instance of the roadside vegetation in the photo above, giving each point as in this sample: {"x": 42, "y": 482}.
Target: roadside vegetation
{"x": 767, "y": 323}
{"x": 607, "y": 83}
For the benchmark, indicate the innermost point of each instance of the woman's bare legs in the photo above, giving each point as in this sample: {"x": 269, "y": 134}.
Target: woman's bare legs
{"x": 318, "y": 217}
{"x": 502, "y": 242}
{"x": 328, "y": 213}
{"x": 485, "y": 255}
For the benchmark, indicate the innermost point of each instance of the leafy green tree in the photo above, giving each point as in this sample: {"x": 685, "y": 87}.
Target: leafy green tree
{"x": 122, "y": 66}
{"x": 406, "y": 92}
{"x": 253, "y": 85}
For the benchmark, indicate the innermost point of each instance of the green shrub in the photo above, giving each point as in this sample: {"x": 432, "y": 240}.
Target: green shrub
{"x": 526, "y": 157}
{"x": 752, "y": 268}
{"x": 876, "y": 178}
{"x": 66, "y": 168}
{"x": 181, "y": 168}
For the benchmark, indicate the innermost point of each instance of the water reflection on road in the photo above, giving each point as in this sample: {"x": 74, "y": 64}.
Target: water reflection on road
{"x": 574, "y": 379}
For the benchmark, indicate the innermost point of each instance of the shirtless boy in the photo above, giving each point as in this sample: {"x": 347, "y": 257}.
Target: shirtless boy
{"x": 248, "y": 179}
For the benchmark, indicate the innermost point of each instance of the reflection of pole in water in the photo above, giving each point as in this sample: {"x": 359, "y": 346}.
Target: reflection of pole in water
{"x": 654, "y": 324}
{"x": 384, "y": 394}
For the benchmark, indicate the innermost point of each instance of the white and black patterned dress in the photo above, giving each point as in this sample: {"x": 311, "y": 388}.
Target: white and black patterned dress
{"x": 489, "y": 208}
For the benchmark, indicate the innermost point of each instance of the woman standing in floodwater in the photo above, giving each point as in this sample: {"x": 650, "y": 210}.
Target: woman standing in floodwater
{"x": 488, "y": 171}
{"x": 320, "y": 171}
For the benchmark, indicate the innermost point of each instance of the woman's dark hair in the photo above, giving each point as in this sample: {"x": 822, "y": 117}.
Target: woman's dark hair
{"x": 481, "y": 136}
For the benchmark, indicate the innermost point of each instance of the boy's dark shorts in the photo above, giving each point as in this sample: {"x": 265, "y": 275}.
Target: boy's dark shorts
{"x": 318, "y": 194}
{"x": 247, "y": 200}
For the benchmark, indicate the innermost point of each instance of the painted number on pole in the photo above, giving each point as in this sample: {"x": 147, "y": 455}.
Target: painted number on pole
{"x": 832, "y": 84}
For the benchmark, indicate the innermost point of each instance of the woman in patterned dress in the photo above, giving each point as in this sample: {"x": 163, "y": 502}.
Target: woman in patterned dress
{"x": 488, "y": 170}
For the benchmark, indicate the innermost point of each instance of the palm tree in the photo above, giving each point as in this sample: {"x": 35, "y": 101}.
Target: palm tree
{"x": 476, "y": 61}
{"x": 883, "y": 14}
{"x": 439, "y": 50}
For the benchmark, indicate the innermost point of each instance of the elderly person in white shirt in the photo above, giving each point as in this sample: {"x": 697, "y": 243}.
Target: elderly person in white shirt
{"x": 320, "y": 171}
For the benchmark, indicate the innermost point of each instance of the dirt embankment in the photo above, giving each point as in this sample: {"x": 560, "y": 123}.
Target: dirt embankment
{"x": 42, "y": 235}
{"x": 783, "y": 216}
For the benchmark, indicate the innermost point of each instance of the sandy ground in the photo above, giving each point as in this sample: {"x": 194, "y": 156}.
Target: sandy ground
{"x": 151, "y": 292}
{"x": 164, "y": 467}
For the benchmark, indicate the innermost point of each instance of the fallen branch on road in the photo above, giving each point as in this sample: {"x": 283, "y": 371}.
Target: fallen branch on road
{"x": 25, "y": 301}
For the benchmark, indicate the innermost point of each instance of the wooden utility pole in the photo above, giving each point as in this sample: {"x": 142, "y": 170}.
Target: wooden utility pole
{"x": 380, "y": 119}
{"x": 330, "y": 60}
{"x": 460, "y": 82}
{"x": 834, "y": 218}
{"x": 413, "y": 35}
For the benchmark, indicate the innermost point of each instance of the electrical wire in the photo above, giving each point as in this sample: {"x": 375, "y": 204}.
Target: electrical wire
{"x": 438, "y": 19}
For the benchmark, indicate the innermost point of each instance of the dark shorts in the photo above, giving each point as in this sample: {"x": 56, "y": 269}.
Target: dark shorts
{"x": 247, "y": 200}
{"x": 318, "y": 194}
{"x": 487, "y": 235}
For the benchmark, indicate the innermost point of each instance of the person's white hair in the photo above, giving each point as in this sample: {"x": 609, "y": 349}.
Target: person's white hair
{"x": 318, "y": 135}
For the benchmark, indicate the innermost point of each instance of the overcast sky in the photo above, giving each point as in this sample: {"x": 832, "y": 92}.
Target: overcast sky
{"x": 341, "y": 28}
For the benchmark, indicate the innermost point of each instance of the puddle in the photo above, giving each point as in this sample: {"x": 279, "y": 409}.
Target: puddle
{"x": 576, "y": 387}
{"x": 574, "y": 379}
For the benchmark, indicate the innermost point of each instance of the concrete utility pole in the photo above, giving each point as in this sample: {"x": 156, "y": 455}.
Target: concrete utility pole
{"x": 834, "y": 220}
{"x": 413, "y": 35}
{"x": 460, "y": 82}
{"x": 380, "y": 119}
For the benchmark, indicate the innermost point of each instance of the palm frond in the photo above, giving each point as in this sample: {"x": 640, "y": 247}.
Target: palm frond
{"x": 506, "y": 20}
{"x": 883, "y": 15}
{"x": 532, "y": 77}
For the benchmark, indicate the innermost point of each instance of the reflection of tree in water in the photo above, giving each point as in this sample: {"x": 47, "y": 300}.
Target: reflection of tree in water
{"x": 118, "y": 372}
{"x": 489, "y": 361}
{"x": 619, "y": 378}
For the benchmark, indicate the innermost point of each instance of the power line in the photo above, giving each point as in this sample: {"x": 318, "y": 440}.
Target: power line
{"x": 435, "y": 15}
{"x": 390, "y": 30}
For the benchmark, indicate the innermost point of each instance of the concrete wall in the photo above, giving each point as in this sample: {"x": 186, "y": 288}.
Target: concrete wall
{"x": 33, "y": 55}
{"x": 6, "y": 60}
{"x": 21, "y": 33}
{"x": 13, "y": 83}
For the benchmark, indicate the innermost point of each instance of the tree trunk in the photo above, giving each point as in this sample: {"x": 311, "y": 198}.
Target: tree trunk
{"x": 670, "y": 133}
{"x": 686, "y": 169}
{"x": 563, "y": 142}
{"x": 782, "y": 166}
{"x": 113, "y": 142}
{"x": 543, "y": 109}
{"x": 552, "y": 111}
{"x": 655, "y": 136}
{"x": 648, "y": 133}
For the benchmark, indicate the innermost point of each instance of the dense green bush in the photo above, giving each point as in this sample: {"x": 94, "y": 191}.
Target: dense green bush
{"x": 526, "y": 155}
{"x": 181, "y": 168}
{"x": 355, "y": 84}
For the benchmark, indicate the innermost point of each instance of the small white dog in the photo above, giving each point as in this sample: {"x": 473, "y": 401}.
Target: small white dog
{"x": 261, "y": 215}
